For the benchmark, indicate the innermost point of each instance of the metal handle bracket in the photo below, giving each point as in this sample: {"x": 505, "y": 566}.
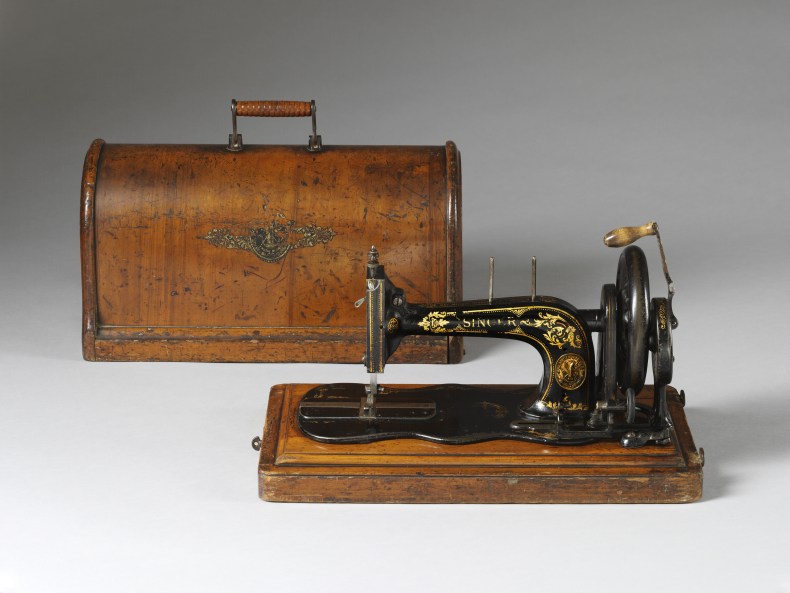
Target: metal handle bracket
{"x": 272, "y": 109}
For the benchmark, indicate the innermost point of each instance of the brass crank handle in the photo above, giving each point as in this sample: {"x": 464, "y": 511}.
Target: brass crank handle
{"x": 625, "y": 235}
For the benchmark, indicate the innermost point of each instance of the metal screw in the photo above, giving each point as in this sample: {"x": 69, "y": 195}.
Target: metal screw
{"x": 256, "y": 443}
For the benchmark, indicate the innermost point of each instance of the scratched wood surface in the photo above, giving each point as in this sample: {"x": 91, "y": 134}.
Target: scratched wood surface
{"x": 156, "y": 287}
{"x": 294, "y": 468}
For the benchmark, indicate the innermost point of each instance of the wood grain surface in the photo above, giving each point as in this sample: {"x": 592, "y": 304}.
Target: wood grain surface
{"x": 295, "y": 468}
{"x": 156, "y": 288}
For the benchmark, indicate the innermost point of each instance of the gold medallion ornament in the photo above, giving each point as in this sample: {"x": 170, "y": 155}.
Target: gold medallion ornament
{"x": 273, "y": 242}
{"x": 392, "y": 325}
{"x": 570, "y": 371}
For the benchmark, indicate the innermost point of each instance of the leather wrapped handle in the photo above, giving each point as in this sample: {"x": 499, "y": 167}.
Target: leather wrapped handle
{"x": 273, "y": 108}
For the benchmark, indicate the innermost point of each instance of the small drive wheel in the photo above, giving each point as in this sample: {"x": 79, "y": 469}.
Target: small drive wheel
{"x": 661, "y": 341}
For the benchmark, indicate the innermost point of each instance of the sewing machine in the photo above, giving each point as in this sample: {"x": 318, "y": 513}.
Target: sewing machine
{"x": 576, "y": 401}
{"x": 587, "y": 433}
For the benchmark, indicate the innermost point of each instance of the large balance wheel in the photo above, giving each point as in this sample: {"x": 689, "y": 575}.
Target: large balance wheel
{"x": 633, "y": 296}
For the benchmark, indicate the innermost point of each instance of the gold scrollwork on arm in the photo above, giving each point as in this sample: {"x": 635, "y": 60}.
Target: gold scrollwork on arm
{"x": 558, "y": 331}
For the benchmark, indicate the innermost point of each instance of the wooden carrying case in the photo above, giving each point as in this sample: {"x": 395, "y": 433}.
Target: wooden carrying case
{"x": 257, "y": 253}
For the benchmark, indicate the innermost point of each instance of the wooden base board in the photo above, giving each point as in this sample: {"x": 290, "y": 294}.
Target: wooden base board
{"x": 295, "y": 468}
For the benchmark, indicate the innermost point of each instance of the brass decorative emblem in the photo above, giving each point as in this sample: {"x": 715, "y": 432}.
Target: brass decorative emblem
{"x": 272, "y": 243}
{"x": 392, "y": 325}
{"x": 435, "y": 321}
{"x": 570, "y": 371}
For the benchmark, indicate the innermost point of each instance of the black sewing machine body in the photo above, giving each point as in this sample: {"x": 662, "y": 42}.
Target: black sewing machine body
{"x": 574, "y": 403}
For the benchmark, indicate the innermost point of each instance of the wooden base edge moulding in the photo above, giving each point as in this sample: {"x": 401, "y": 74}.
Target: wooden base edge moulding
{"x": 295, "y": 468}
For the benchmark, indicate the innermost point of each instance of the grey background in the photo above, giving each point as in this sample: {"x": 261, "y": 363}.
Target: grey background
{"x": 573, "y": 117}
